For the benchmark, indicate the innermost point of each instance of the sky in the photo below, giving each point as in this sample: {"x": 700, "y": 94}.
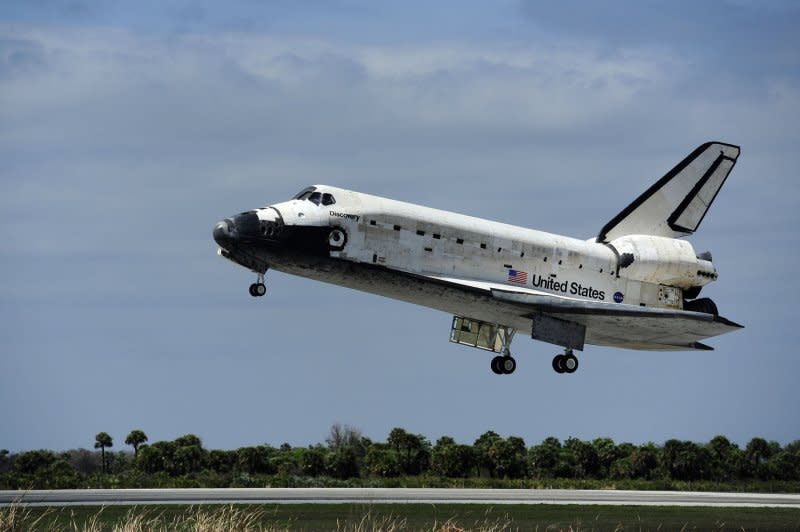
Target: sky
{"x": 128, "y": 129}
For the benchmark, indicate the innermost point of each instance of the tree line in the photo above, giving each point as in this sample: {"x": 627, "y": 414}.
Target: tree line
{"x": 347, "y": 455}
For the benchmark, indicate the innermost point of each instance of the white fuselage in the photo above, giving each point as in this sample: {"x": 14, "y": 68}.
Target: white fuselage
{"x": 413, "y": 239}
{"x": 635, "y": 285}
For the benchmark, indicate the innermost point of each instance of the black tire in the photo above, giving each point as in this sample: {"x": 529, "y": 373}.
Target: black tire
{"x": 253, "y": 290}
{"x": 570, "y": 363}
{"x": 558, "y": 364}
{"x": 496, "y": 365}
{"x": 507, "y": 365}
{"x": 260, "y": 290}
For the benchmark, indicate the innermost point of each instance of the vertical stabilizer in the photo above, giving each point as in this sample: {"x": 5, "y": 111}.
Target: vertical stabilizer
{"x": 676, "y": 204}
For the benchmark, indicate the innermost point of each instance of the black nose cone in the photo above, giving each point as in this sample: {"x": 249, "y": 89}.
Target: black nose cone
{"x": 224, "y": 233}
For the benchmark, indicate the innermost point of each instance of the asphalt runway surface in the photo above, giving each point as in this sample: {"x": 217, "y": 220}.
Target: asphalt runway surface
{"x": 141, "y": 497}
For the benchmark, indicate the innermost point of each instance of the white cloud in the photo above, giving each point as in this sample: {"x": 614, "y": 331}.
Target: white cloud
{"x": 240, "y": 84}
{"x": 130, "y": 124}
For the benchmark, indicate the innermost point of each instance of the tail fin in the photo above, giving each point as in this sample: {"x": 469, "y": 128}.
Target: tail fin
{"x": 676, "y": 204}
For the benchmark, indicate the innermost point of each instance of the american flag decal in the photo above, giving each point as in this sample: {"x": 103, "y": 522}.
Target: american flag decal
{"x": 516, "y": 276}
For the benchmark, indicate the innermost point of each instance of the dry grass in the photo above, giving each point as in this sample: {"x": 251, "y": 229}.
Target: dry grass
{"x": 20, "y": 518}
{"x": 23, "y": 519}
{"x": 389, "y": 518}
{"x": 390, "y": 523}
{"x": 17, "y": 517}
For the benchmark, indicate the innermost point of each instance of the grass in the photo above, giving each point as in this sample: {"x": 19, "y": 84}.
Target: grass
{"x": 207, "y": 479}
{"x": 395, "y": 517}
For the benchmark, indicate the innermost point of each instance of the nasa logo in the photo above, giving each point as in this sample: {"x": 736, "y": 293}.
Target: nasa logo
{"x": 618, "y": 297}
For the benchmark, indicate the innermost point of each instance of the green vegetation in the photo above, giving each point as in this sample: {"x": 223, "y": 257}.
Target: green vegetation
{"x": 410, "y": 460}
{"x": 433, "y": 518}
{"x": 101, "y": 441}
{"x": 135, "y": 439}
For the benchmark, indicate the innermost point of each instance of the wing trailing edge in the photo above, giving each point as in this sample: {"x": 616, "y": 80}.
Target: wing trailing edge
{"x": 676, "y": 204}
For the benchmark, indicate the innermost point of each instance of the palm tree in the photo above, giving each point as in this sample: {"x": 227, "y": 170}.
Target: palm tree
{"x": 135, "y": 439}
{"x": 101, "y": 441}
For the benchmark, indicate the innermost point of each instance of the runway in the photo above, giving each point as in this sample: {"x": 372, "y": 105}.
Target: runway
{"x": 140, "y": 497}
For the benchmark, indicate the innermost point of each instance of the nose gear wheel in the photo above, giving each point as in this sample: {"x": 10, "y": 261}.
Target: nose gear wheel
{"x": 258, "y": 289}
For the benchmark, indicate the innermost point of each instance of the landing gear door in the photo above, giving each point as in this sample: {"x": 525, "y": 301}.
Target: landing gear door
{"x": 480, "y": 334}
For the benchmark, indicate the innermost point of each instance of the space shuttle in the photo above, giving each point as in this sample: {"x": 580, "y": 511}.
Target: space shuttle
{"x": 636, "y": 285}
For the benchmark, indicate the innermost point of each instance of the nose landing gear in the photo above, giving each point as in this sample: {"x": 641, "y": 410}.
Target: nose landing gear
{"x": 566, "y": 363}
{"x": 258, "y": 289}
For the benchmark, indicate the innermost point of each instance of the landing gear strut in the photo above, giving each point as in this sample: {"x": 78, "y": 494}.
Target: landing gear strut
{"x": 566, "y": 363}
{"x": 504, "y": 364}
{"x": 258, "y": 289}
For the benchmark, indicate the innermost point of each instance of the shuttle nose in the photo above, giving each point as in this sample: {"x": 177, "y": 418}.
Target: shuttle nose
{"x": 224, "y": 232}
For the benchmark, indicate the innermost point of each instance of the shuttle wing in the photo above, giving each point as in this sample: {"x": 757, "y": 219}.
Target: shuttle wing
{"x": 627, "y": 325}
{"x": 612, "y": 324}
{"x": 676, "y": 204}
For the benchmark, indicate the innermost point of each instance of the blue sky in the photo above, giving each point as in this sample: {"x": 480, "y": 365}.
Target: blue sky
{"x": 128, "y": 129}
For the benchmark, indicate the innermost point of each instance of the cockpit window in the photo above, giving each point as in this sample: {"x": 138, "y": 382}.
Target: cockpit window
{"x": 315, "y": 197}
{"x": 305, "y": 193}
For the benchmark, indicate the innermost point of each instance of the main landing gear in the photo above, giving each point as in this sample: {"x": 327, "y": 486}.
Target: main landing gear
{"x": 566, "y": 363}
{"x": 258, "y": 289}
{"x": 504, "y": 363}
{"x": 489, "y": 337}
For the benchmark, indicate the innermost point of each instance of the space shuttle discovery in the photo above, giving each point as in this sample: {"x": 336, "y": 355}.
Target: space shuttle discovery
{"x": 636, "y": 285}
